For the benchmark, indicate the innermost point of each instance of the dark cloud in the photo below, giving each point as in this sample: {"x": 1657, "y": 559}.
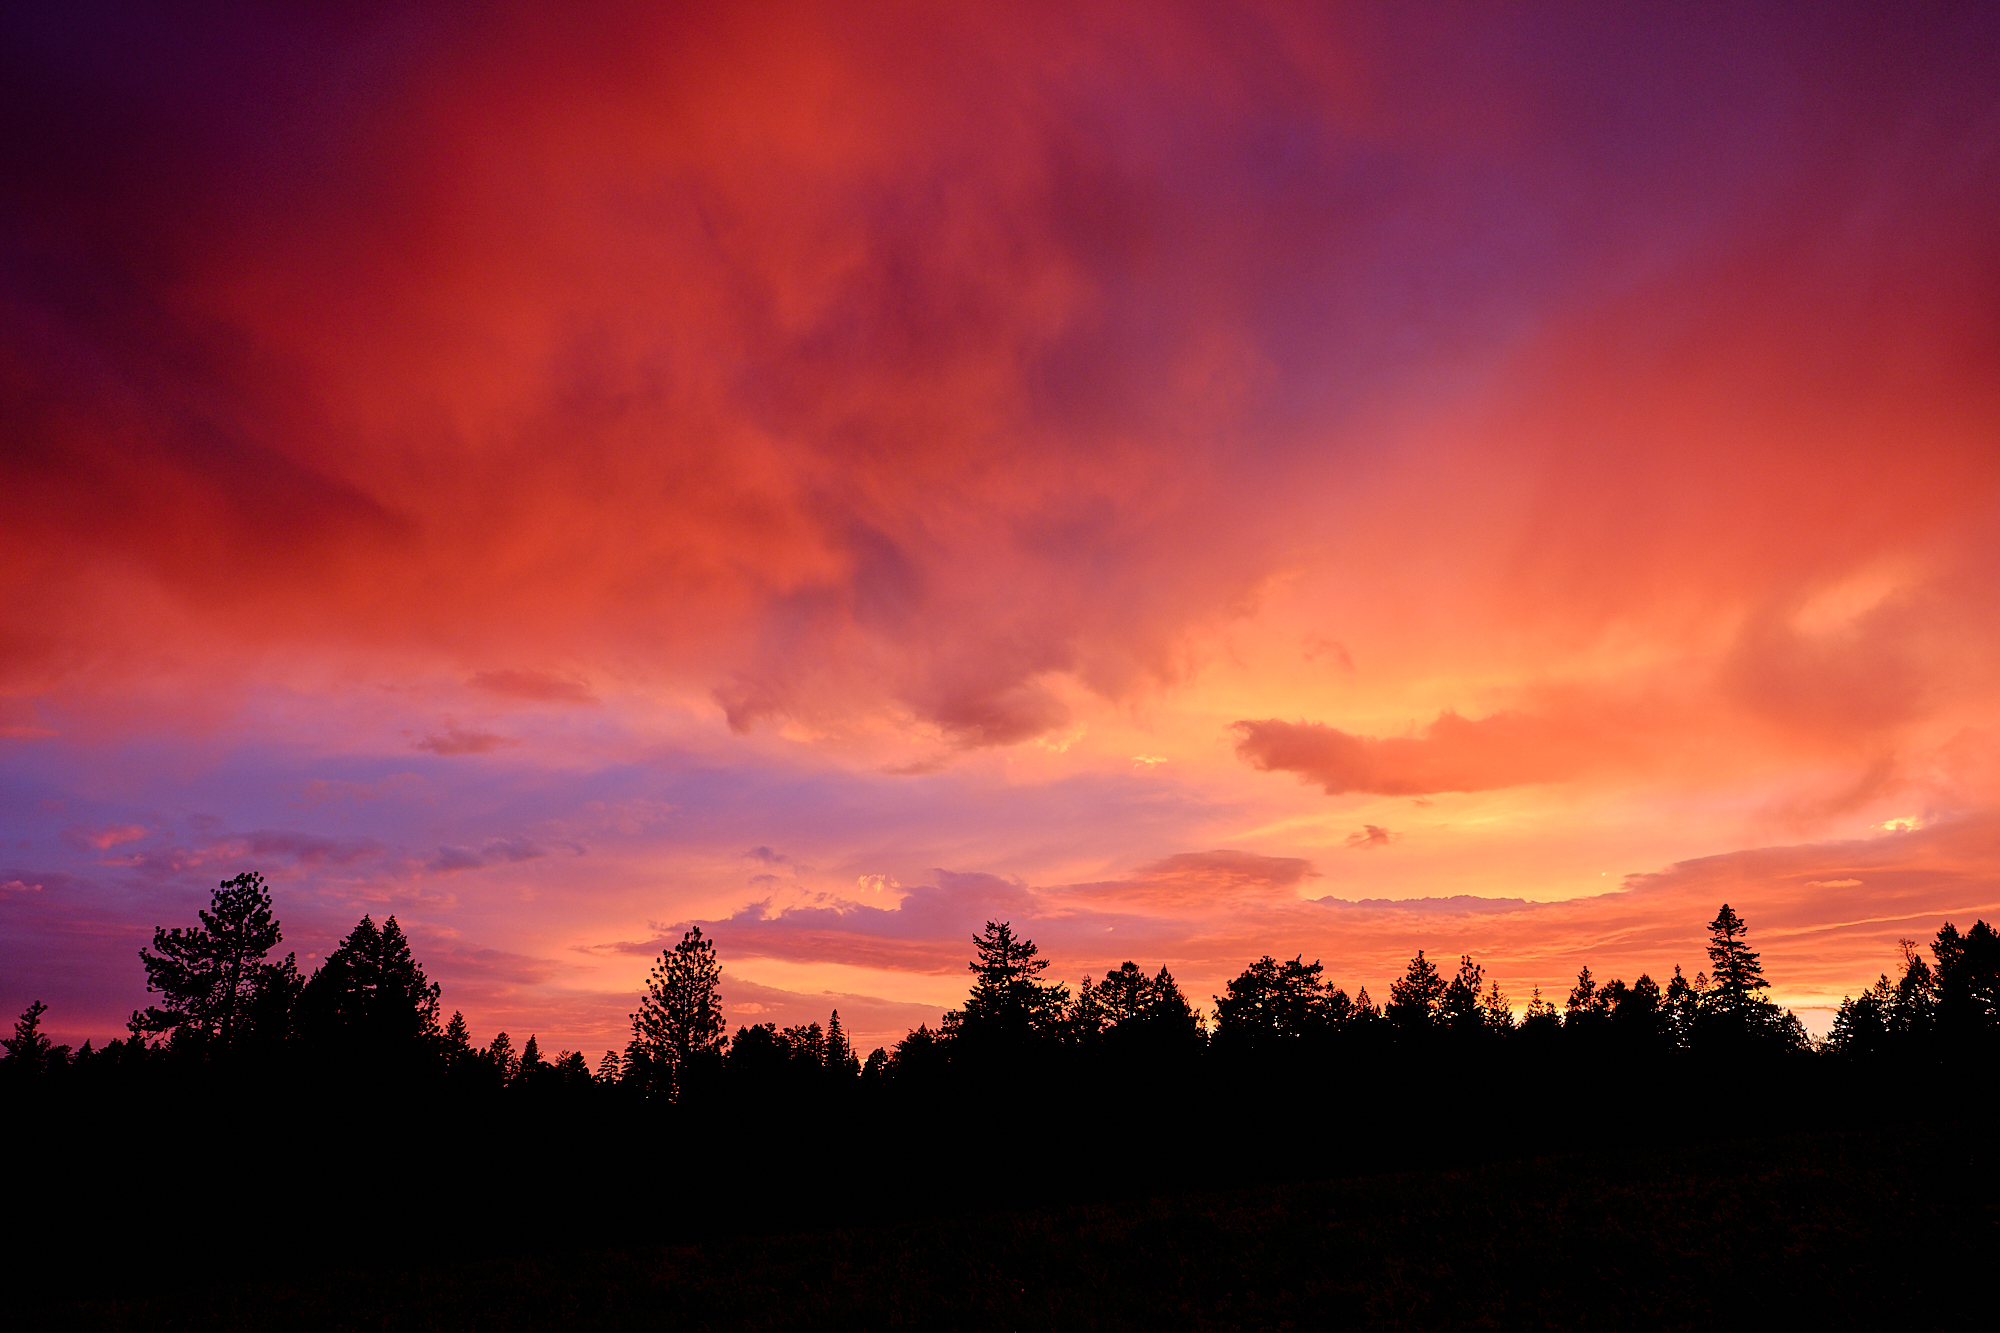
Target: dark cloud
{"x": 512, "y": 849}
{"x": 308, "y": 848}
{"x": 459, "y": 740}
{"x": 1216, "y": 880}
{"x": 1006, "y": 716}
{"x": 455, "y": 858}
{"x": 1453, "y": 754}
{"x": 1371, "y": 835}
{"x": 541, "y": 686}
{"x": 452, "y": 962}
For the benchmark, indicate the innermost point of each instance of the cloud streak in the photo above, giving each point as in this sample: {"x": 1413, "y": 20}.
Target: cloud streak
{"x": 1452, "y": 754}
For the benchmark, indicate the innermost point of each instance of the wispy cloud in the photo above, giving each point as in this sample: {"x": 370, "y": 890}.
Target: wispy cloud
{"x": 460, "y": 740}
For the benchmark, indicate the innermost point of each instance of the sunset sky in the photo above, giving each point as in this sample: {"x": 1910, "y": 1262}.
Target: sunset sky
{"x": 1192, "y": 480}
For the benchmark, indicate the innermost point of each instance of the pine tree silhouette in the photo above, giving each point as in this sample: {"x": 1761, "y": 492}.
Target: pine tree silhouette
{"x": 1583, "y": 1004}
{"x": 679, "y": 1025}
{"x": 1736, "y": 972}
{"x": 1494, "y": 1011}
{"x": 29, "y": 1050}
{"x": 1272, "y": 1000}
{"x": 212, "y": 976}
{"x": 1460, "y": 1006}
{"x": 371, "y": 996}
{"x": 532, "y": 1064}
{"x": 1009, "y": 1002}
{"x": 500, "y": 1057}
{"x": 840, "y": 1058}
{"x": 456, "y": 1043}
{"x": 1416, "y": 1000}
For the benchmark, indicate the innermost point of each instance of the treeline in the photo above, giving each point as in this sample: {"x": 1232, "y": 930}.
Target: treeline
{"x": 369, "y": 1011}
{"x": 298, "y": 1116}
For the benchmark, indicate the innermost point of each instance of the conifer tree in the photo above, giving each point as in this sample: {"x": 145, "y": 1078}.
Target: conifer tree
{"x": 1086, "y": 1019}
{"x": 212, "y": 976}
{"x": 1637, "y": 1012}
{"x": 500, "y": 1055}
{"x": 371, "y": 994}
{"x": 921, "y": 1053}
{"x": 610, "y": 1069}
{"x": 840, "y": 1057}
{"x": 1583, "y": 1004}
{"x": 1267, "y": 999}
{"x": 1460, "y": 1006}
{"x": 679, "y": 1025}
{"x": 1541, "y": 1015}
{"x": 1968, "y": 978}
{"x": 1682, "y": 1004}
{"x": 1168, "y": 1014}
{"x": 1123, "y": 994}
{"x": 29, "y": 1050}
{"x": 1009, "y": 1001}
{"x": 1861, "y": 1027}
{"x": 1737, "y": 974}
{"x": 1915, "y": 1007}
{"x": 1417, "y": 998}
{"x": 456, "y": 1044}
{"x": 806, "y": 1043}
{"x": 532, "y": 1063}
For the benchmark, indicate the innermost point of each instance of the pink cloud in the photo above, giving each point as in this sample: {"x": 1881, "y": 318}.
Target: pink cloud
{"x": 105, "y": 839}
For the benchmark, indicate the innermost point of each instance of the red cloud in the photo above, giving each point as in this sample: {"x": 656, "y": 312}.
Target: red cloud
{"x": 846, "y": 367}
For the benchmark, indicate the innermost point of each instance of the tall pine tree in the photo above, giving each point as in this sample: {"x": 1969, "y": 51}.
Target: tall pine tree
{"x": 679, "y": 1028}
{"x": 1009, "y": 1001}
{"x": 371, "y": 996}
{"x": 840, "y": 1057}
{"x": 1417, "y": 999}
{"x": 212, "y": 978}
{"x": 1736, "y": 974}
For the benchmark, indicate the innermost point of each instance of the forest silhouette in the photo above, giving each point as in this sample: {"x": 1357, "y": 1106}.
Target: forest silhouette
{"x": 258, "y": 1117}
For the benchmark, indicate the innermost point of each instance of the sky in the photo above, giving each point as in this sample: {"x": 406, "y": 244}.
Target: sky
{"x": 1195, "y": 481}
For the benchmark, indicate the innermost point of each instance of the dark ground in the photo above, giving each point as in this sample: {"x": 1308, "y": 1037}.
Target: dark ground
{"x": 1893, "y": 1227}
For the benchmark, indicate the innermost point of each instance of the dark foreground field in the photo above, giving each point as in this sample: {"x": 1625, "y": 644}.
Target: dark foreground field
{"x": 1886, "y": 1228}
